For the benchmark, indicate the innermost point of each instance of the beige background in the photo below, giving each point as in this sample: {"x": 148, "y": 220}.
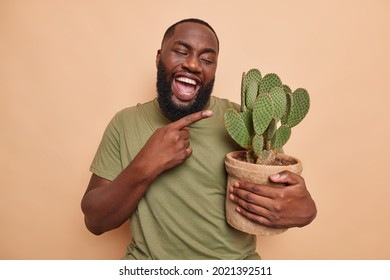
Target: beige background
{"x": 67, "y": 66}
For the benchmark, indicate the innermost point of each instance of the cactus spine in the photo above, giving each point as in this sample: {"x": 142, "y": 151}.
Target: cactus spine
{"x": 268, "y": 111}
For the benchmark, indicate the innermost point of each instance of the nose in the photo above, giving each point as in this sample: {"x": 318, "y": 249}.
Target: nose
{"x": 192, "y": 64}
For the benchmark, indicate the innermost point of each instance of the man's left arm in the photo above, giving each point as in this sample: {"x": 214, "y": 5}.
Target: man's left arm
{"x": 290, "y": 205}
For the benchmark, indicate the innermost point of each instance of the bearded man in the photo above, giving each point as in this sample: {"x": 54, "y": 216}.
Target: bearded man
{"x": 161, "y": 165}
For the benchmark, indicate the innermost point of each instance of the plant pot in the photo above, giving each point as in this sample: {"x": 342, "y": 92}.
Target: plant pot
{"x": 239, "y": 170}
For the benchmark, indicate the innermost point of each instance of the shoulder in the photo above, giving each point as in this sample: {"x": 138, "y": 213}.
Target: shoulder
{"x": 132, "y": 113}
{"x": 134, "y": 110}
{"x": 224, "y": 103}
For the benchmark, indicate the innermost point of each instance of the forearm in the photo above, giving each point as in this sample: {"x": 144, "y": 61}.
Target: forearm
{"x": 109, "y": 204}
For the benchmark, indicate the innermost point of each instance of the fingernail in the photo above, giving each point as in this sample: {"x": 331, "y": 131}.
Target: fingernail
{"x": 275, "y": 176}
{"x": 231, "y": 197}
{"x": 207, "y": 113}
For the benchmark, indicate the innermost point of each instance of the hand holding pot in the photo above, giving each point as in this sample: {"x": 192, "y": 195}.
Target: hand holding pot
{"x": 284, "y": 206}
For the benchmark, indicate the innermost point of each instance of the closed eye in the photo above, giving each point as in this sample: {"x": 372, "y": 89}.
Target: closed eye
{"x": 180, "y": 52}
{"x": 207, "y": 58}
{"x": 207, "y": 61}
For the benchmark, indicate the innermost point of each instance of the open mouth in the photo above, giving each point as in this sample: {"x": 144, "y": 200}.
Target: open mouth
{"x": 184, "y": 88}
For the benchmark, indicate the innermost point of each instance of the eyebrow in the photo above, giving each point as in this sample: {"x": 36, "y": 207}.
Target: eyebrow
{"x": 188, "y": 46}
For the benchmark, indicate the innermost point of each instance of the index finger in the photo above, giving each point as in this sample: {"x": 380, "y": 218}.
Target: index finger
{"x": 258, "y": 189}
{"x": 192, "y": 118}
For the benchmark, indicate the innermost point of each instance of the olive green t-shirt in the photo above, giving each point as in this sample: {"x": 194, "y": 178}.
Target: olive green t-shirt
{"x": 182, "y": 215}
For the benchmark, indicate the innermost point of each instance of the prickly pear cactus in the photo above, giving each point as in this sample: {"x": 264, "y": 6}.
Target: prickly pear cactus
{"x": 269, "y": 109}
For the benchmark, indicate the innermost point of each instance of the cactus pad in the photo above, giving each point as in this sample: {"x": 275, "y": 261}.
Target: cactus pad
{"x": 262, "y": 113}
{"x": 236, "y": 128}
{"x": 257, "y": 143}
{"x": 268, "y": 82}
{"x": 281, "y": 136}
{"x": 287, "y": 89}
{"x": 269, "y": 133}
{"x": 250, "y": 93}
{"x": 253, "y": 74}
{"x": 279, "y": 100}
{"x": 248, "y": 121}
{"x": 300, "y": 105}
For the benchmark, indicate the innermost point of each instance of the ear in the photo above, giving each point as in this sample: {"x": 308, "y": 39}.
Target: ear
{"x": 158, "y": 56}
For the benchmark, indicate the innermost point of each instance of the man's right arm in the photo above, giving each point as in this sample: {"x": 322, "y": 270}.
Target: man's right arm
{"x": 108, "y": 204}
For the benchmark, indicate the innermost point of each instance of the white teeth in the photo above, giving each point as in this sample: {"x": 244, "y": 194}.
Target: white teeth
{"x": 186, "y": 80}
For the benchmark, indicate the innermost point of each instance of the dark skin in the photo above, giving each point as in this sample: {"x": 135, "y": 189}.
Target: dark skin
{"x": 280, "y": 207}
{"x": 192, "y": 53}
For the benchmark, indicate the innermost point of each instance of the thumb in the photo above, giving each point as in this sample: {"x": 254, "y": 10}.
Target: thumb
{"x": 285, "y": 177}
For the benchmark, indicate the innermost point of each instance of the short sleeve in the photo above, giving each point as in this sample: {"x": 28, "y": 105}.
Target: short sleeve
{"x": 107, "y": 161}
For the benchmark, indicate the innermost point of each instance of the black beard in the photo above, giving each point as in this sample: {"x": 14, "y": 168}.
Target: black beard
{"x": 170, "y": 109}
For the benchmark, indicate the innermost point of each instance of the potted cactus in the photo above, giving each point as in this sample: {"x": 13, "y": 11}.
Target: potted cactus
{"x": 269, "y": 109}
